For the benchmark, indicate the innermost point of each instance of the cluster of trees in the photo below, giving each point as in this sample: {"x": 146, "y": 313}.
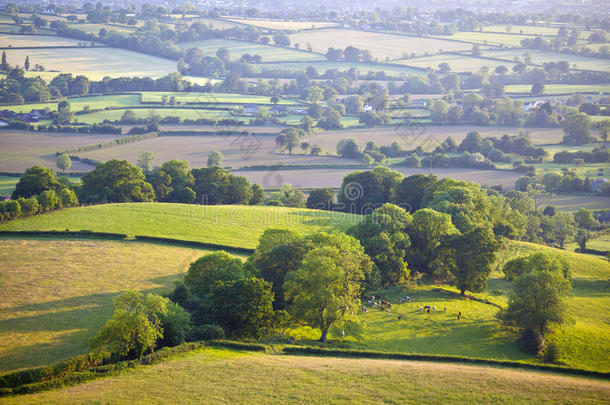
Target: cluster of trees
{"x": 349, "y": 54}
{"x": 119, "y": 181}
{"x": 472, "y": 108}
{"x": 597, "y": 155}
{"x": 15, "y": 88}
{"x": 566, "y": 182}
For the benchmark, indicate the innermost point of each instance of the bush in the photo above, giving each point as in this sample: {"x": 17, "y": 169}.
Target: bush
{"x": 177, "y": 325}
{"x": 67, "y": 198}
{"x": 208, "y": 332}
{"x": 48, "y": 200}
{"x": 10, "y": 209}
{"x": 29, "y": 206}
{"x": 552, "y": 353}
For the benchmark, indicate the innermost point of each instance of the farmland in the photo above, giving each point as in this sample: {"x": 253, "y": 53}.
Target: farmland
{"x": 268, "y": 53}
{"x": 94, "y": 63}
{"x": 237, "y": 225}
{"x": 540, "y": 57}
{"x": 320, "y": 380}
{"x": 560, "y": 88}
{"x": 487, "y": 38}
{"x": 382, "y": 46}
{"x": 57, "y": 293}
{"x": 30, "y": 41}
{"x": 284, "y": 25}
{"x": 21, "y": 149}
{"x": 458, "y": 63}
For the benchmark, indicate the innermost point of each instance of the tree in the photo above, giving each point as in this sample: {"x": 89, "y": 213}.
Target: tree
{"x": 321, "y": 199}
{"x": 64, "y": 162}
{"x": 204, "y": 272}
{"x": 4, "y": 65}
{"x": 537, "y": 88}
{"x": 215, "y": 158}
{"x": 472, "y": 257}
{"x": 34, "y": 181}
{"x": 258, "y": 195}
{"x": 577, "y": 129}
{"x": 145, "y": 161}
{"x": 537, "y": 303}
{"x": 562, "y": 227}
{"x": 27, "y": 63}
{"x": 135, "y": 325}
{"x": 411, "y": 190}
{"x": 325, "y": 289}
{"x": 176, "y": 324}
{"x": 243, "y": 307}
{"x": 584, "y": 219}
{"x": 348, "y": 148}
{"x": 281, "y": 39}
{"x": 67, "y": 198}
{"x": 115, "y": 181}
{"x": 64, "y": 112}
{"x": 582, "y": 237}
{"x": 353, "y": 104}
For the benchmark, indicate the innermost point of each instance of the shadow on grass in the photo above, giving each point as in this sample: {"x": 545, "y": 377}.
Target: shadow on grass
{"x": 590, "y": 288}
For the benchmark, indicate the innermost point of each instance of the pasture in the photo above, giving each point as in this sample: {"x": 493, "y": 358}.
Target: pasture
{"x": 394, "y": 70}
{"x": 90, "y": 28}
{"x": 58, "y": 293}
{"x": 143, "y": 113}
{"x": 488, "y": 38}
{"x": 219, "y": 376}
{"x": 20, "y": 150}
{"x": 230, "y": 225}
{"x": 268, "y": 53}
{"x": 27, "y": 41}
{"x": 212, "y": 98}
{"x": 458, "y": 63}
{"x": 284, "y": 25}
{"x": 95, "y": 63}
{"x": 7, "y": 184}
{"x": 540, "y": 57}
{"x": 382, "y": 46}
{"x": 78, "y": 103}
{"x": 565, "y": 89}
{"x": 217, "y": 23}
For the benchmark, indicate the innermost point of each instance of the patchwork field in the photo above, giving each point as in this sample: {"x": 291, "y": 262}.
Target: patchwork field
{"x": 58, "y": 293}
{"x": 322, "y": 380}
{"x": 268, "y": 53}
{"x": 20, "y": 150}
{"x": 95, "y": 63}
{"x": 458, "y": 63}
{"x": 382, "y": 46}
{"x": 230, "y": 225}
{"x": 284, "y": 25}
{"x": 540, "y": 57}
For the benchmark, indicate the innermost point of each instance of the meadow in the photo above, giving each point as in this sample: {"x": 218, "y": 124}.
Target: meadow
{"x": 28, "y": 41}
{"x": 219, "y": 376}
{"x": 382, "y": 46}
{"x": 559, "y": 88}
{"x": 94, "y": 62}
{"x": 540, "y": 57}
{"x": 78, "y": 103}
{"x": 487, "y": 38}
{"x": 394, "y": 70}
{"x": 7, "y": 184}
{"x": 212, "y": 98}
{"x": 230, "y": 225}
{"x": 144, "y": 113}
{"x": 458, "y": 63}
{"x": 268, "y": 53}
{"x": 58, "y": 293}
{"x": 284, "y": 25}
{"x": 23, "y": 149}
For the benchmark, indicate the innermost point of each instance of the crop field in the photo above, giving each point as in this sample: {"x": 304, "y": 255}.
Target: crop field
{"x": 58, "y": 293}
{"x": 560, "y": 88}
{"x": 20, "y": 150}
{"x": 458, "y": 63}
{"x": 391, "y": 70}
{"x": 238, "y": 151}
{"x": 223, "y": 376}
{"x": 95, "y": 28}
{"x": 213, "y": 98}
{"x": 268, "y": 53}
{"x": 22, "y": 41}
{"x": 487, "y": 38}
{"x": 540, "y": 57}
{"x": 382, "y": 46}
{"x": 230, "y": 225}
{"x": 94, "y": 62}
{"x": 284, "y": 25}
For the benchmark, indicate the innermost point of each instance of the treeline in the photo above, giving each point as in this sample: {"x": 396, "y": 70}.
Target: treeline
{"x": 118, "y": 141}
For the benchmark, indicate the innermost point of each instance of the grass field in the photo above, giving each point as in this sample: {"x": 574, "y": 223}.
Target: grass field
{"x": 560, "y": 88}
{"x": 284, "y": 25}
{"x": 364, "y": 68}
{"x": 78, "y": 103}
{"x": 212, "y": 98}
{"x": 20, "y": 150}
{"x": 91, "y": 61}
{"x": 57, "y": 293}
{"x": 7, "y": 184}
{"x": 35, "y": 41}
{"x": 221, "y": 376}
{"x": 458, "y": 63}
{"x": 540, "y": 57}
{"x": 486, "y": 38}
{"x": 268, "y": 53}
{"x": 382, "y": 46}
{"x": 237, "y": 225}
{"x": 217, "y": 23}
{"x": 95, "y": 28}
{"x": 183, "y": 113}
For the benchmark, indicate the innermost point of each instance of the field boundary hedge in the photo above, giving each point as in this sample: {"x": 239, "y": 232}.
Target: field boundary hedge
{"x": 371, "y": 354}
{"x": 103, "y": 145}
{"x": 192, "y": 243}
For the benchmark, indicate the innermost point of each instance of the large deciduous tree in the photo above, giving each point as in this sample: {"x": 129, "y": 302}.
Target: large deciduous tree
{"x": 115, "y": 181}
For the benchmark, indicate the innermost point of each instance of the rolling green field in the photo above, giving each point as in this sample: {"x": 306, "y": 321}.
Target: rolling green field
{"x": 382, "y": 46}
{"x": 268, "y": 53}
{"x": 540, "y": 57}
{"x": 219, "y": 376}
{"x": 560, "y": 88}
{"x": 391, "y": 70}
{"x": 58, "y": 293}
{"x": 486, "y": 38}
{"x": 78, "y": 103}
{"x": 231, "y": 225}
{"x": 212, "y": 98}
{"x": 90, "y": 28}
{"x": 7, "y": 184}
{"x": 183, "y": 113}
{"x": 35, "y": 41}
{"x": 94, "y": 62}
{"x": 458, "y": 63}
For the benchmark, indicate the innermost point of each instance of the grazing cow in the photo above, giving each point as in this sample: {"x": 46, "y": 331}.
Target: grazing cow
{"x": 460, "y": 315}
{"x": 434, "y": 308}
{"x": 399, "y": 317}
{"x": 427, "y": 307}
{"x": 421, "y": 309}
{"x": 445, "y": 309}
{"x": 387, "y": 311}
